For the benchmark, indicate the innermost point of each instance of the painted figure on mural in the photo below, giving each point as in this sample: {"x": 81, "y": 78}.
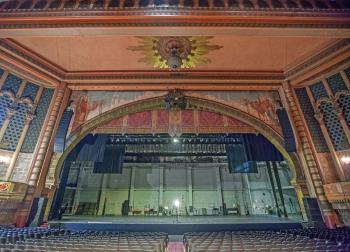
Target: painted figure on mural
{"x": 265, "y": 108}
{"x": 82, "y": 110}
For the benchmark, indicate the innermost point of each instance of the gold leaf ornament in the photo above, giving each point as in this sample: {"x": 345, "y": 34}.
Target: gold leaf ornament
{"x": 156, "y": 50}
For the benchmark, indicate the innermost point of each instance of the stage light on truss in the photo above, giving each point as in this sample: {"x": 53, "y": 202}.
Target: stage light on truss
{"x": 175, "y": 140}
{"x": 177, "y": 203}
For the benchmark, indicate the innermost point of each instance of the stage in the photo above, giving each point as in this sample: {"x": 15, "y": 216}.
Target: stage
{"x": 173, "y": 226}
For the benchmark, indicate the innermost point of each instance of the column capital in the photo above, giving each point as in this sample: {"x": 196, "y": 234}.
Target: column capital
{"x": 337, "y": 110}
{"x": 29, "y": 117}
{"x": 319, "y": 116}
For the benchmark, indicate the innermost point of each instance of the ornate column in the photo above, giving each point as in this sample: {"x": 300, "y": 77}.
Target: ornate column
{"x": 308, "y": 159}
{"x": 46, "y": 137}
{"x": 10, "y": 112}
{"x": 29, "y": 118}
{"x": 320, "y": 119}
{"x": 3, "y": 78}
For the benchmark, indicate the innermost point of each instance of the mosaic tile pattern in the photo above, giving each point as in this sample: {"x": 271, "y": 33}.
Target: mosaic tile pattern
{"x": 336, "y": 83}
{"x": 38, "y": 121}
{"x": 5, "y": 103}
{"x": 14, "y": 130}
{"x": 344, "y": 102}
{"x": 347, "y": 72}
{"x": 313, "y": 125}
{"x": 30, "y": 90}
{"x": 334, "y": 127}
{"x": 12, "y": 83}
{"x": 318, "y": 91}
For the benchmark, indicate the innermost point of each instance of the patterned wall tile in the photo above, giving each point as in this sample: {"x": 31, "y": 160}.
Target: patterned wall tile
{"x": 347, "y": 72}
{"x": 334, "y": 127}
{"x": 30, "y": 90}
{"x": 38, "y": 121}
{"x": 12, "y": 83}
{"x": 313, "y": 125}
{"x": 14, "y": 130}
{"x": 344, "y": 102}
{"x": 318, "y": 90}
{"x": 336, "y": 83}
{"x": 5, "y": 103}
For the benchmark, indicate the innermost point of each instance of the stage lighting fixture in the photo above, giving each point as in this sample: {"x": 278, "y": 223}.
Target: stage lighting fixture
{"x": 177, "y": 203}
{"x": 345, "y": 159}
{"x": 176, "y": 140}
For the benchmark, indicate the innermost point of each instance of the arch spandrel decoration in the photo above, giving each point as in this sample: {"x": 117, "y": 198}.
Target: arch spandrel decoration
{"x": 193, "y": 103}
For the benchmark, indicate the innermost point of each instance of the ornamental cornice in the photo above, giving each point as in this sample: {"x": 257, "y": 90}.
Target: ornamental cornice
{"x": 251, "y": 24}
{"x": 316, "y": 58}
{"x": 175, "y": 11}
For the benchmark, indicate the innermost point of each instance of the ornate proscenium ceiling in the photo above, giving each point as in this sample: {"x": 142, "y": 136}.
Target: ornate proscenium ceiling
{"x": 85, "y": 42}
{"x": 175, "y": 52}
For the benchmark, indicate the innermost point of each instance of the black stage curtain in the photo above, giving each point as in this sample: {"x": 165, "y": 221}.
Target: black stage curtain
{"x": 93, "y": 148}
{"x": 60, "y": 139}
{"x": 113, "y": 159}
{"x": 258, "y": 148}
{"x": 242, "y": 157}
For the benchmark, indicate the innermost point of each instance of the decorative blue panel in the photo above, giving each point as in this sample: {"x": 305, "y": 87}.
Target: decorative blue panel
{"x": 30, "y": 90}
{"x": 313, "y": 125}
{"x": 334, "y": 127}
{"x": 318, "y": 90}
{"x": 344, "y": 102}
{"x": 14, "y": 130}
{"x": 1, "y": 72}
{"x": 336, "y": 83}
{"x": 12, "y": 83}
{"x": 38, "y": 121}
{"x": 347, "y": 72}
{"x": 5, "y": 103}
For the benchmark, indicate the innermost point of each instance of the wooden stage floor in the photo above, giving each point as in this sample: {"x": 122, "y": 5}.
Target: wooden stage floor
{"x": 172, "y": 226}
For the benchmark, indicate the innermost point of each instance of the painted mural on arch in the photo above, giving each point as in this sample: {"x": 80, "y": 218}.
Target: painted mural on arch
{"x": 89, "y": 104}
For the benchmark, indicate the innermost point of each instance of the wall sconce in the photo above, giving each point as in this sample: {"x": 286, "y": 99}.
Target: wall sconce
{"x": 345, "y": 160}
{"x": 4, "y": 159}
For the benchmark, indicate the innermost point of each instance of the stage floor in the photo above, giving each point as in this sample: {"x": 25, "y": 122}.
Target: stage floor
{"x": 182, "y": 219}
{"x": 170, "y": 225}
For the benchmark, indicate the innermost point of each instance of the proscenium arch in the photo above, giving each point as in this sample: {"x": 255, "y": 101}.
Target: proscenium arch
{"x": 193, "y": 103}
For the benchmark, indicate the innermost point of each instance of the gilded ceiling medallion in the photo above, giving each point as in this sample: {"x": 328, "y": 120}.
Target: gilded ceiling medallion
{"x": 175, "y": 52}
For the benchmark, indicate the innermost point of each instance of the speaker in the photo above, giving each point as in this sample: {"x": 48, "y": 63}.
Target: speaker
{"x": 37, "y": 212}
{"x": 313, "y": 210}
{"x": 287, "y": 130}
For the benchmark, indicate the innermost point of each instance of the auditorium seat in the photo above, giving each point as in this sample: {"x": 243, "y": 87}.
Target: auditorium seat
{"x": 55, "y": 240}
{"x": 299, "y": 240}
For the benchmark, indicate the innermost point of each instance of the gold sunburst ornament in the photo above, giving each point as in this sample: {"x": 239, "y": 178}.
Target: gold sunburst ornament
{"x": 175, "y": 52}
